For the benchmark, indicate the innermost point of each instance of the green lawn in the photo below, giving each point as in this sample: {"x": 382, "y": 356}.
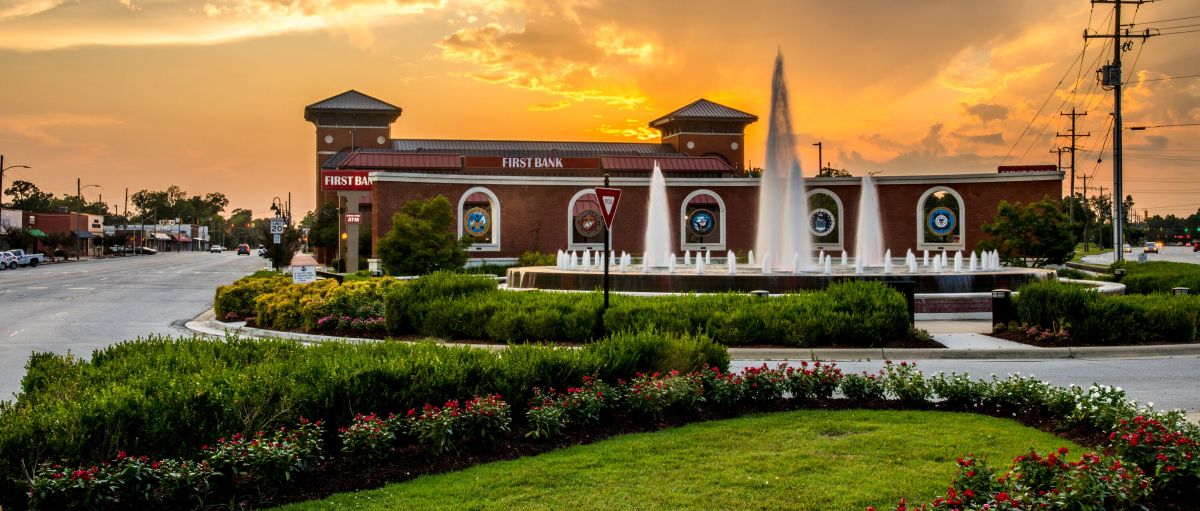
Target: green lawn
{"x": 794, "y": 460}
{"x": 1093, "y": 249}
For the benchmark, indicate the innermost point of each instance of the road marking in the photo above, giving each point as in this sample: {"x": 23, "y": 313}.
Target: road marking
{"x": 36, "y": 287}
{"x": 15, "y": 332}
{"x": 81, "y": 288}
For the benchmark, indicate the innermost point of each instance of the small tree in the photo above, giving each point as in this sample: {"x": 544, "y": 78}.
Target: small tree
{"x": 280, "y": 254}
{"x": 1036, "y": 234}
{"x": 422, "y": 239}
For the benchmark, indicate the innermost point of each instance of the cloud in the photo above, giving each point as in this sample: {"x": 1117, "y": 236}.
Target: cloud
{"x": 986, "y": 112}
{"x": 632, "y": 129}
{"x": 60, "y": 24}
{"x": 26, "y": 8}
{"x": 554, "y": 51}
{"x": 988, "y": 139}
{"x": 46, "y": 128}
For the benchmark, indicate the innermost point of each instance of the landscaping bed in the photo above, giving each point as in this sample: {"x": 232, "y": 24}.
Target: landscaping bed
{"x": 469, "y": 307}
{"x": 1057, "y": 314}
{"x": 1139, "y": 457}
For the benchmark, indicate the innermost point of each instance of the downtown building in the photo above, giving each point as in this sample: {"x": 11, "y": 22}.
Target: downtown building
{"x": 511, "y": 197}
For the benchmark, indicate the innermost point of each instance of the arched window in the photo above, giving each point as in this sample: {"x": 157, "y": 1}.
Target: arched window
{"x": 479, "y": 219}
{"x": 825, "y": 220}
{"x": 940, "y": 220}
{"x": 702, "y": 221}
{"x": 585, "y": 225}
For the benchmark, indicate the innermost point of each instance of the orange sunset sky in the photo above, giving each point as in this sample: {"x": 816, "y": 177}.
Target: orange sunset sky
{"x": 209, "y": 95}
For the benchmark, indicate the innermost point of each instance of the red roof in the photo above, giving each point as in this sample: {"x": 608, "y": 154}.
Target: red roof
{"x": 388, "y": 160}
{"x": 683, "y": 164}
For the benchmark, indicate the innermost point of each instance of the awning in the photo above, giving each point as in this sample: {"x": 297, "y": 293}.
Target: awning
{"x": 185, "y": 238}
{"x": 37, "y": 233}
{"x": 82, "y": 234}
{"x": 160, "y": 236}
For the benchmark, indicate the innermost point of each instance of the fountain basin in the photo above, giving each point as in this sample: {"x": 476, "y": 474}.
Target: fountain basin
{"x": 944, "y": 292}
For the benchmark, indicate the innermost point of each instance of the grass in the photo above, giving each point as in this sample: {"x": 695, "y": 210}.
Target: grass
{"x": 795, "y": 460}
{"x": 1094, "y": 249}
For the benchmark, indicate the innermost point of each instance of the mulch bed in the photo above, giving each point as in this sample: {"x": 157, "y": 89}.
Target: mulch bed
{"x": 1055, "y": 342}
{"x": 340, "y": 473}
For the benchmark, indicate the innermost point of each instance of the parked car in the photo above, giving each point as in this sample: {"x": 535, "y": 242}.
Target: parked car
{"x": 1196, "y": 246}
{"x": 216, "y": 249}
{"x": 262, "y": 251}
{"x": 1151, "y": 248}
{"x": 144, "y": 250}
{"x": 7, "y": 261}
{"x": 243, "y": 249}
{"x": 25, "y": 259}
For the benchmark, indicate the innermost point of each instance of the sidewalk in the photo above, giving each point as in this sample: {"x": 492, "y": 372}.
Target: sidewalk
{"x": 963, "y": 340}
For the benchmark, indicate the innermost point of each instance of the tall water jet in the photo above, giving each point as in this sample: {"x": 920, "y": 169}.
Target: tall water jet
{"x": 658, "y": 222}
{"x": 782, "y": 202}
{"x": 868, "y": 236}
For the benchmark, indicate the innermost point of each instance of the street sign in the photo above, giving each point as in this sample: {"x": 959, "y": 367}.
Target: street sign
{"x": 277, "y": 236}
{"x": 354, "y": 218}
{"x": 609, "y": 197}
{"x": 277, "y": 226}
{"x": 304, "y": 274}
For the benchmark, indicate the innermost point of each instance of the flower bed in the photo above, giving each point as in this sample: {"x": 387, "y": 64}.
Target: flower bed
{"x": 1142, "y": 457}
{"x": 456, "y": 306}
{"x": 163, "y": 397}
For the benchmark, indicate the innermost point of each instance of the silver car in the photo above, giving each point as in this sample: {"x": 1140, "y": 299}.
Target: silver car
{"x": 8, "y": 261}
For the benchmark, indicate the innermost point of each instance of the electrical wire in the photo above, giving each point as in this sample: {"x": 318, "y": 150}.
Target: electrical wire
{"x": 1144, "y": 80}
{"x": 1166, "y": 20}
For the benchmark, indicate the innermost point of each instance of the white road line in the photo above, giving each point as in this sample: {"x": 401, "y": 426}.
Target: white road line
{"x": 36, "y": 287}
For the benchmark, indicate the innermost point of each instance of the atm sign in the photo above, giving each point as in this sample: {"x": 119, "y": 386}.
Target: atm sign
{"x": 345, "y": 180}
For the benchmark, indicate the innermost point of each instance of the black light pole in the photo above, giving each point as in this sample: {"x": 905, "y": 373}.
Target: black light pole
{"x": 2, "y": 169}
{"x": 606, "y": 249}
{"x": 820, "y": 157}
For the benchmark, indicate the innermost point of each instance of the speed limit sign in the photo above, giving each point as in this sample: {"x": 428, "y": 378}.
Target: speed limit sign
{"x": 277, "y": 226}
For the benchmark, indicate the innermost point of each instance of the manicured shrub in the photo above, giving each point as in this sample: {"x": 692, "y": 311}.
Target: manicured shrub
{"x": 1095, "y": 318}
{"x": 655, "y": 394}
{"x": 1160, "y": 277}
{"x": 863, "y": 388}
{"x": 236, "y": 300}
{"x": 163, "y": 396}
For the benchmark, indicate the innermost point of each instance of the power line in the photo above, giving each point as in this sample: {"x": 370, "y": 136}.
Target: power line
{"x": 1139, "y": 128}
{"x": 1143, "y": 80}
{"x": 1166, "y": 20}
{"x": 1078, "y": 60}
{"x": 1179, "y": 32}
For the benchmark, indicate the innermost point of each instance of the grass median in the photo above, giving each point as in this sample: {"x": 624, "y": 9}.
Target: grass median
{"x": 795, "y": 460}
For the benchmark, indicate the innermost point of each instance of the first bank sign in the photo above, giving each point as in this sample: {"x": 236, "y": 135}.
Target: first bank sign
{"x": 346, "y": 180}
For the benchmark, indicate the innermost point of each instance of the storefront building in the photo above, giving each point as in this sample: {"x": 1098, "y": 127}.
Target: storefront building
{"x": 511, "y": 197}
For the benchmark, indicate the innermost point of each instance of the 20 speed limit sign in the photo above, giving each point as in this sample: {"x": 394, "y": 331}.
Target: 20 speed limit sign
{"x": 277, "y": 226}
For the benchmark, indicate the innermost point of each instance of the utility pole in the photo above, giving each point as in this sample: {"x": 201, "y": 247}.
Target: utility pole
{"x": 1111, "y": 77}
{"x": 1073, "y": 135}
{"x": 1101, "y": 241}
{"x": 1085, "y": 217}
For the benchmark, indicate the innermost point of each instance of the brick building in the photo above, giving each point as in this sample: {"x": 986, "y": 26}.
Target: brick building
{"x": 516, "y": 196}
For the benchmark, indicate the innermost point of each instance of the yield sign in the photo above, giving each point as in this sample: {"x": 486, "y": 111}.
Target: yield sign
{"x": 609, "y": 197}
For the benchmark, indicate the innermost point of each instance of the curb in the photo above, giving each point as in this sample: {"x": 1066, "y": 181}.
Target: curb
{"x": 207, "y": 324}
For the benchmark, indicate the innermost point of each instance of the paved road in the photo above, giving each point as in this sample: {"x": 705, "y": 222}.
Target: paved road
{"x": 84, "y": 305}
{"x": 1168, "y": 382}
{"x": 1173, "y": 254}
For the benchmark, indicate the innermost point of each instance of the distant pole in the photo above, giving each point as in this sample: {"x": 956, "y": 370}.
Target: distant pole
{"x": 607, "y": 234}
{"x": 1073, "y": 135}
{"x": 820, "y": 157}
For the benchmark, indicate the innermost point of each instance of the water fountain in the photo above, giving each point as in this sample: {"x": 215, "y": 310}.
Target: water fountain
{"x": 658, "y": 223}
{"x": 781, "y": 259}
{"x": 868, "y": 235}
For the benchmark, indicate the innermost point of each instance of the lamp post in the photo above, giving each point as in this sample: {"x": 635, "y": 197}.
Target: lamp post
{"x": 79, "y": 193}
{"x": 820, "y": 157}
{"x": 2, "y": 169}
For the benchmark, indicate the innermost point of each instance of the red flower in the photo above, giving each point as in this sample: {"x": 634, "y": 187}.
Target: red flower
{"x": 1002, "y": 497}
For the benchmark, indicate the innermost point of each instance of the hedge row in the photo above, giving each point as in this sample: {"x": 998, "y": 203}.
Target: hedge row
{"x": 455, "y": 306}
{"x": 1108, "y": 319}
{"x": 1160, "y": 277}
{"x": 161, "y": 395}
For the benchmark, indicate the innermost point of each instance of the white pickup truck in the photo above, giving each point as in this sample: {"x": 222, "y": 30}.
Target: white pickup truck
{"x": 25, "y": 259}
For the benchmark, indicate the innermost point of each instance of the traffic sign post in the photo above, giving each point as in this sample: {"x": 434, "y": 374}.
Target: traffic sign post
{"x": 277, "y": 228}
{"x": 609, "y": 198}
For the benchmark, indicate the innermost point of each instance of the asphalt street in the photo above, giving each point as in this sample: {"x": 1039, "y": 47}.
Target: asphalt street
{"x": 1171, "y": 253}
{"x": 79, "y": 306}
